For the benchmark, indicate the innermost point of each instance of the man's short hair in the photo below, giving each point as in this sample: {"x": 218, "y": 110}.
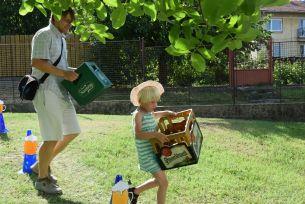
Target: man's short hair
{"x": 69, "y": 11}
{"x": 64, "y": 13}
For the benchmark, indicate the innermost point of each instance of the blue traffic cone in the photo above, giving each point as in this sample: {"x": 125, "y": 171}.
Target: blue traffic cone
{"x": 3, "y": 129}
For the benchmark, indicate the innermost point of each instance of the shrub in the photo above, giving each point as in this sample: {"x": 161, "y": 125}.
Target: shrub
{"x": 288, "y": 73}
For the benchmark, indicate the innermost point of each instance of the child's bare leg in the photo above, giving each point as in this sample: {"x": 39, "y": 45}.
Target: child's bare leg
{"x": 162, "y": 182}
{"x": 151, "y": 183}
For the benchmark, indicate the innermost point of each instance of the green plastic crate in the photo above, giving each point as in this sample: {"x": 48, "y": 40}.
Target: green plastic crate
{"x": 90, "y": 84}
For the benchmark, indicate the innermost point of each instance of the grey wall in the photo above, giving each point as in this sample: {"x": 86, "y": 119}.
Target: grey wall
{"x": 275, "y": 111}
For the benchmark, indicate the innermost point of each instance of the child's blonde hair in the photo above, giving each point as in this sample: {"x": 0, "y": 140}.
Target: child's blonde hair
{"x": 148, "y": 94}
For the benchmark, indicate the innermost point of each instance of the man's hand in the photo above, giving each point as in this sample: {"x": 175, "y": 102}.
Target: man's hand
{"x": 70, "y": 75}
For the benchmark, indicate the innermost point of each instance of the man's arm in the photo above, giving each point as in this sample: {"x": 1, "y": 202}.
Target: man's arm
{"x": 44, "y": 66}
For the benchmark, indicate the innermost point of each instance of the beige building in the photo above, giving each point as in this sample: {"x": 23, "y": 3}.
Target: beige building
{"x": 287, "y": 25}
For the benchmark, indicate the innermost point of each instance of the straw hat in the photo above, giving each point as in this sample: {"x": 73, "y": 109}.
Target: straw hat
{"x": 134, "y": 92}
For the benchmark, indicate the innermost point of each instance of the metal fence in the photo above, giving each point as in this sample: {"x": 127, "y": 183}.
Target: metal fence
{"x": 286, "y": 63}
{"x": 289, "y": 70}
{"x": 128, "y": 63}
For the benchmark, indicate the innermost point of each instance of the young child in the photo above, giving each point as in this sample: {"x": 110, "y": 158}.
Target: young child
{"x": 145, "y": 96}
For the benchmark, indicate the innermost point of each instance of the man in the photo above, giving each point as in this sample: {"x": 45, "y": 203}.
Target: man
{"x": 56, "y": 113}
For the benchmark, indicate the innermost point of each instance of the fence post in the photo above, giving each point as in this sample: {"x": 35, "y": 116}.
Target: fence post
{"x": 281, "y": 71}
{"x": 270, "y": 63}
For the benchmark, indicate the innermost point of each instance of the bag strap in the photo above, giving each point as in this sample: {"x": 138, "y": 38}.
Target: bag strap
{"x": 45, "y": 76}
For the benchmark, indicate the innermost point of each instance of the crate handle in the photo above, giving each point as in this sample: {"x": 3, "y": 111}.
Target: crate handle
{"x": 76, "y": 80}
{"x": 95, "y": 68}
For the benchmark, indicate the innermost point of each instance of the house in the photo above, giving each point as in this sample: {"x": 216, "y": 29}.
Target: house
{"x": 287, "y": 24}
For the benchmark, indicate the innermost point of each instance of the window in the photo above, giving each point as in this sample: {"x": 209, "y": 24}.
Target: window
{"x": 302, "y": 23}
{"x": 302, "y": 50}
{"x": 276, "y": 50}
{"x": 301, "y": 29}
{"x": 275, "y": 25}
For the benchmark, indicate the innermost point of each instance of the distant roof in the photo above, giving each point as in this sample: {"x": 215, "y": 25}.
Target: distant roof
{"x": 292, "y": 7}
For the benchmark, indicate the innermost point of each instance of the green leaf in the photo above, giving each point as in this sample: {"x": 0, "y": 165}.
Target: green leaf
{"x": 219, "y": 47}
{"x": 219, "y": 38}
{"x": 85, "y": 36}
{"x": 80, "y": 29}
{"x": 235, "y": 44}
{"x": 47, "y": 5}
{"x": 179, "y": 15}
{"x": 100, "y": 38}
{"x": 244, "y": 24}
{"x": 208, "y": 54}
{"x": 150, "y": 10}
{"x": 173, "y": 51}
{"x": 183, "y": 44}
{"x": 135, "y": 9}
{"x": 188, "y": 22}
{"x": 187, "y": 31}
{"x": 162, "y": 16}
{"x": 198, "y": 62}
{"x": 22, "y": 10}
{"x": 194, "y": 41}
{"x": 219, "y": 43}
{"x": 76, "y": 2}
{"x": 215, "y": 9}
{"x": 76, "y": 22}
{"x": 101, "y": 12}
{"x": 111, "y": 3}
{"x": 200, "y": 35}
{"x": 41, "y": 9}
{"x": 56, "y": 10}
{"x": 248, "y": 36}
{"x": 29, "y": 5}
{"x": 193, "y": 14}
{"x": 249, "y": 6}
{"x": 98, "y": 28}
{"x": 170, "y": 4}
{"x": 65, "y": 4}
{"x": 57, "y": 16}
{"x": 118, "y": 17}
{"x": 26, "y": 7}
{"x": 109, "y": 36}
{"x": 174, "y": 34}
{"x": 233, "y": 21}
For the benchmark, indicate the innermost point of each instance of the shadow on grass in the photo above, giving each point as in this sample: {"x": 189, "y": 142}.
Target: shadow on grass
{"x": 51, "y": 198}
{"x": 57, "y": 199}
{"x": 261, "y": 129}
{"x": 4, "y": 137}
{"x": 85, "y": 117}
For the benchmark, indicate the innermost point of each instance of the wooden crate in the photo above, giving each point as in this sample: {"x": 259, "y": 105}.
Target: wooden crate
{"x": 185, "y": 140}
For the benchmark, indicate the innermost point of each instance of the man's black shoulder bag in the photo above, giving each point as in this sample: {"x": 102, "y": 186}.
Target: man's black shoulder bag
{"x": 29, "y": 84}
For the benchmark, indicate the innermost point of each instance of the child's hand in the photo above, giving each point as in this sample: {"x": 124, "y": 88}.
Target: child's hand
{"x": 162, "y": 137}
{"x": 172, "y": 114}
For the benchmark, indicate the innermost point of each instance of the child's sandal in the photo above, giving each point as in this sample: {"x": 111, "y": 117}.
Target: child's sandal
{"x": 133, "y": 197}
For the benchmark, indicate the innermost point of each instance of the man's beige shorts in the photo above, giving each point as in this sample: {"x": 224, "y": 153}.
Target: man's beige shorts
{"x": 57, "y": 117}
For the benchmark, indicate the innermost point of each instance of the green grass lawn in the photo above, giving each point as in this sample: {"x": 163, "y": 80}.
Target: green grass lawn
{"x": 241, "y": 162}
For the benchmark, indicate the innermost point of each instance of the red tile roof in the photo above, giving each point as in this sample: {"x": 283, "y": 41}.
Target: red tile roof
{"x": 292, "y": 7}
